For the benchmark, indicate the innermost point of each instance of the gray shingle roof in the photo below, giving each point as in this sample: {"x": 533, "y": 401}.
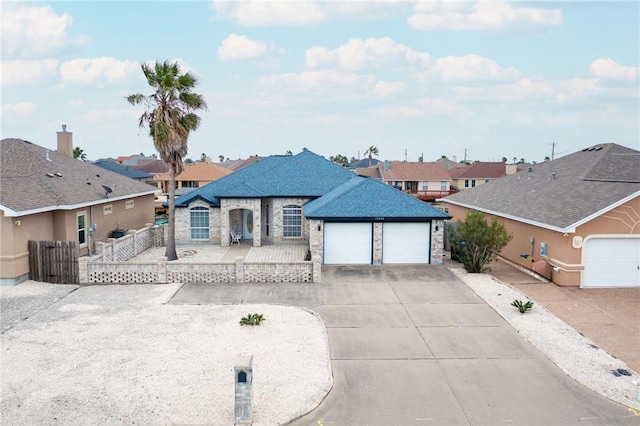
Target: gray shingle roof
{"x": 563, "y": 193}
{"x": 122, "y": 170}
{"x": 33, "y": 179}
{"x": 366, "y": 198}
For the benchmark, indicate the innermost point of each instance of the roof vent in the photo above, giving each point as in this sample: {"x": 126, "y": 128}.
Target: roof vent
{"x": 598, "y": 148}
{"x": 46, "y": 156}
{"x": 50, "y": 175}
{"x": 58, "y": 174}
{"x": 591, "y": 149}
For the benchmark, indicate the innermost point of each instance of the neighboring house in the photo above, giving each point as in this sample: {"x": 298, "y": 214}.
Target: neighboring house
{"x": 448, "y": 164}
{"x": 238, "y": 164}
{"x": 427, "y": 181}
{"x": 477, "y": 174}
{"x": 48, "y": 195}
{"x": 133, "y": 160}
{"x": 575, "y": 220}
{"x": 193, "y": 176}
{"x": 129, "y": 172}
{"x": 371, "y": 172}
{"x": 365, "y": 162}
{"x": 306, "y": 199}
{"x": 154, "y": 167}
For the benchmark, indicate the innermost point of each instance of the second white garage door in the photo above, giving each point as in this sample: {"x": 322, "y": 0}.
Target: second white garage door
{"x": 406, "y": 242}
{"x": 611, "y": 262}
{"x": 348, "y": 243}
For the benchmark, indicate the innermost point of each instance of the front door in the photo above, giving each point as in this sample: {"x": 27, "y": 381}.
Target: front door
{"x": 247, "y": 224}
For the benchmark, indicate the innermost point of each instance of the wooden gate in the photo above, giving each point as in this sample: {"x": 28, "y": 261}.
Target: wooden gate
{"x": 54, "y": 261}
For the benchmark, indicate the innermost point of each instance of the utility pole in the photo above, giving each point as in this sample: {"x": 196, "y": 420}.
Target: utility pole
{"x": 553, "y": 149}
{"x": 465, "y": 156}
{"x": 405, "y": 155}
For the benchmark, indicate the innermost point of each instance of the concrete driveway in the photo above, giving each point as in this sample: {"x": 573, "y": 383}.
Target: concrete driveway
{"x": 414, "y": 345}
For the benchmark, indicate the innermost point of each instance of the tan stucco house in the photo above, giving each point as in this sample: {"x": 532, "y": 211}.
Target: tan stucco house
{"x": 575, "y": 220}
{"x": 476, "y": 174}
{"x": 49, "y": 195}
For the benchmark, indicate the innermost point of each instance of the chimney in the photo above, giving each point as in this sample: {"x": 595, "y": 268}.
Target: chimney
{"x": 454, "y": 159}
{"x": 511, "y": 168}
{"x": 65, "y": 142}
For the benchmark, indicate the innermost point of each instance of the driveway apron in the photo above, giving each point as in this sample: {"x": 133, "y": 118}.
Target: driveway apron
{"x": 416, "y": 346}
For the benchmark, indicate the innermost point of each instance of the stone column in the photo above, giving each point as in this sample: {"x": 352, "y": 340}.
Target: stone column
{"x": 243, "y": 378}
{"x": 83, "y": 270}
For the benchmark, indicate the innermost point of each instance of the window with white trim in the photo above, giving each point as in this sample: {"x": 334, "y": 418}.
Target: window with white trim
{"x": 199, "y": 223}
{"x": 128, "y": 204}
{"x": 81, "y": 222}
{"x": 108, "y": 209}
{"x": 292, "y": 221}
{"x": 443, "y": 185}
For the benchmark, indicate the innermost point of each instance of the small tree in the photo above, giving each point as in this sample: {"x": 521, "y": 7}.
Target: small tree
{"x": 79, "y": 153}
{"x": 477, "y": 242}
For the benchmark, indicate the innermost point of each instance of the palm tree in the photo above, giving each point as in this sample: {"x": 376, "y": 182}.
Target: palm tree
{"x": 289, "y": 153}
{"x": 372, "y": 150}
{"x": 170, "y": 117}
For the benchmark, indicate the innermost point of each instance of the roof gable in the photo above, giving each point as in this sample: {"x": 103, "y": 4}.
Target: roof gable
{"x": 199, "y": 172}
{"x": 480, "y": 170}
{"x": 562, "y": 193}
{"x": 353, "y": 199}
{"x": 33, "y": 178}
{"x": 303, "y": 175}
{"x": 403, "y": 171}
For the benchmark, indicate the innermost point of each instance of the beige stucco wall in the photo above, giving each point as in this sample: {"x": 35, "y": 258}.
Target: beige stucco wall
{"x": 61, "y": 225}
{"x": 561, "y": 252}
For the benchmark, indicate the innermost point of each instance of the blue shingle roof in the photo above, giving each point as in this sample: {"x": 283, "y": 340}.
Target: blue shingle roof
{"x": 366, "y": 198}
{"x": 122, "y": 170}
{"x": 303, "y": 175}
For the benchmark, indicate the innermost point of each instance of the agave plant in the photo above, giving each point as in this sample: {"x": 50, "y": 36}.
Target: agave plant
{"x": 252, "y": 319}
{"x": 522, "y": 306}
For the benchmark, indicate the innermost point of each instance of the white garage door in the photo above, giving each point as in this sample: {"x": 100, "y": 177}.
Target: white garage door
{"x": 611, "y": 262}
{"x": 406, "y": 242}
{"x": 348, "y": 243}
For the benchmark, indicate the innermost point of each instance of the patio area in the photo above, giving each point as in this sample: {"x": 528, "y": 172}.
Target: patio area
{"x": 215, "y": 253}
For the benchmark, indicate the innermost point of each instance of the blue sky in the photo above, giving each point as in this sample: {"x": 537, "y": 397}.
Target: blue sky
{"x": 499, "y": 79}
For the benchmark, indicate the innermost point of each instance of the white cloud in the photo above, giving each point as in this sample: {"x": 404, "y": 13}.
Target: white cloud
{"x": 608, "y": 68}
{"x": 385, "y": 89}
{"x": 481, "y": 15}
{"x": 110, "y": 115}
{"x": 27, "y": 71}
{"x": 527, "y": 89}
{"x": 262, "y": 13}
{"x": 33, "y": 30}
{"x": 357, "y": 54}
{"x": 437, "y": 106}
{"x": 18, "y": 110}
{"x": 317, "y": 81}
{"x": 468, "y": 68}
{"x": 421, "y": 108}
{"x": 239, "y": 47}
{"x": 94, "y": 69}
{"x": 303, "y": 12}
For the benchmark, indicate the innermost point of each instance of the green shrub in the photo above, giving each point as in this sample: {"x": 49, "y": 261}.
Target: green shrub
{"x": 252, "y": 319}
{"x": 476, "y": 242}
{"x": 522, "y": 307}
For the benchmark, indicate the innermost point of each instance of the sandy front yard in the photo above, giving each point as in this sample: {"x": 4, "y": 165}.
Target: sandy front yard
{"x": 119, "y": 354}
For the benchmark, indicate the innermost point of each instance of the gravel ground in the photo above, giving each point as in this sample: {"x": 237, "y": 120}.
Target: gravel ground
{"x": 576, "y": 355}
{"x": 119, "y": 355}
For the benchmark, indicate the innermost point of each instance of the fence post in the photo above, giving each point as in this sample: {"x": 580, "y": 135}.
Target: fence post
{"x": 83, "y": 270}
{"x": 162, "y": 270}
{"x": 317, "y": 269}
{"x": 239, "y": 269}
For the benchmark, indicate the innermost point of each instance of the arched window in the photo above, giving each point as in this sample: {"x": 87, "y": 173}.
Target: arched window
{"x": 199, "y": 223}
{"x": 292, "y": 221}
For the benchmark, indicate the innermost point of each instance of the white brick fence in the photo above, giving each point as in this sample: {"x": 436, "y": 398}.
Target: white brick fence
{"x": 161, "y": 272}
{"x": 110, "y": 265}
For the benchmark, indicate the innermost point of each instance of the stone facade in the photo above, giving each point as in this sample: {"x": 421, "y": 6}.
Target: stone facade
{"x": 275, "y": 208}
{"x": 377, "y": 243}
{"x": 183, "y": 222}
{"x": 437, "y": 242}
{"x": 231, "y": 210}
{"x": 316, "y": 238}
